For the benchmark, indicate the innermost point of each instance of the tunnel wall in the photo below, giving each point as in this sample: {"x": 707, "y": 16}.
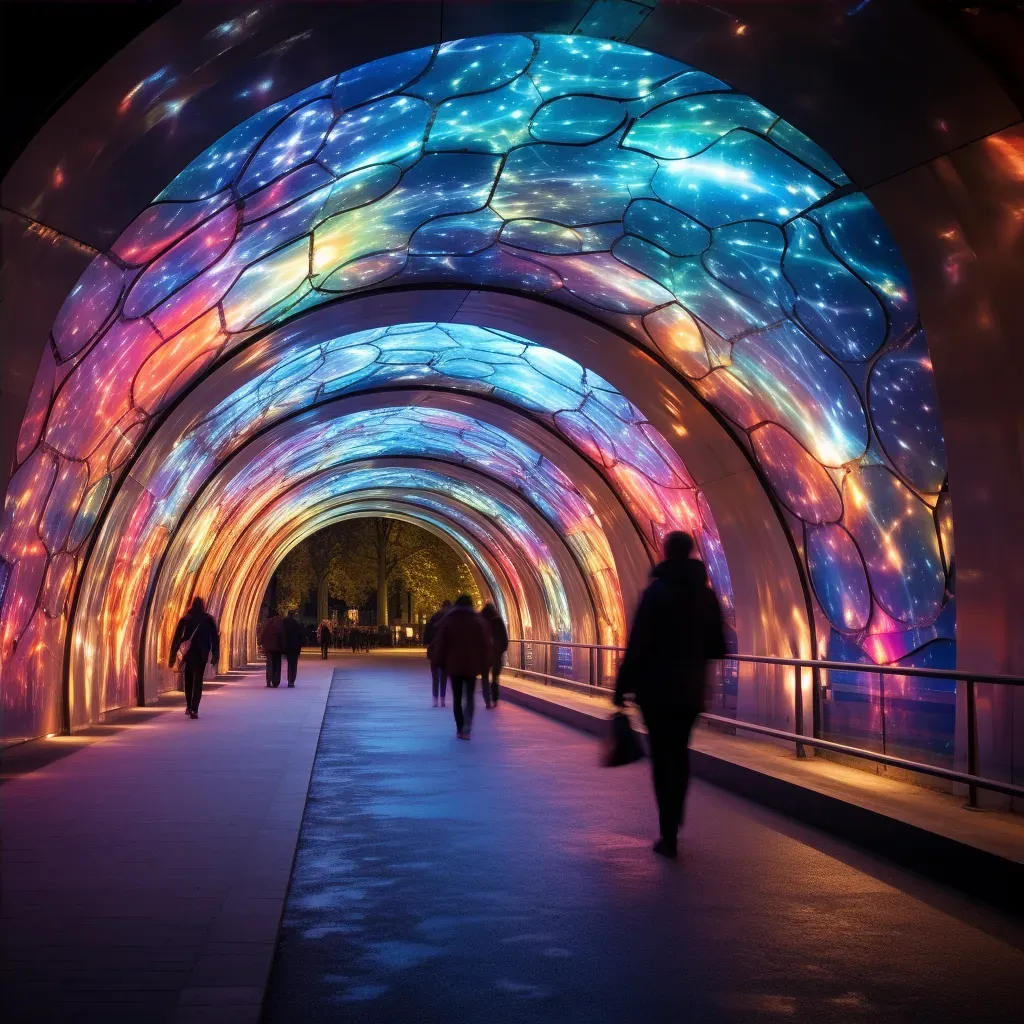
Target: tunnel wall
{"x": 870, "y": 144}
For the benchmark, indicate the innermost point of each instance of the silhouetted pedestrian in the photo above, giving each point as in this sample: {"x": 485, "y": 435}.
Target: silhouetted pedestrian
{"x": 272, "y": 639}
{"x": 438, "y": 674}
{"x": 292, "y": 645}
{"x": 197, "y": 640}
{"x": 463, "y": 646}
{"x": 325, "y": 638}
{"x": 677, "y": 629}
{"x": 499, "y": 645}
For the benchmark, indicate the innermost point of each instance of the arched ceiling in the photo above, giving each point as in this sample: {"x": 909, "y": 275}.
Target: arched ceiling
{"x": 601, "y": 178}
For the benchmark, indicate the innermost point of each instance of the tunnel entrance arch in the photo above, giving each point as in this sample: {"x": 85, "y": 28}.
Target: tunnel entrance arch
{"x": 681, "y": 213}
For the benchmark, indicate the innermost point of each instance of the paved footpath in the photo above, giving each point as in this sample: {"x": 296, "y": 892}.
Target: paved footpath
{"x": 510, "y": 879}
{"x": 144, "y": 874}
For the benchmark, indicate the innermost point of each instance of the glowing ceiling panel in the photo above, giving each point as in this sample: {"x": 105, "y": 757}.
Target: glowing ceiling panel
{"x": 596, "y": 175}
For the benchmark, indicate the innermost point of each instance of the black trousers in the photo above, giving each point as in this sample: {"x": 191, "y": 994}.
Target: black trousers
{"x": 193, "y": 677}
{"x": 324, "y": 644}
{"x": 292, "y": 657}
{"x": 273, "y": 668}
{"x": 490, "y": 684}
{"x": 668, "y": 730}
{"x": 463, "y": 686}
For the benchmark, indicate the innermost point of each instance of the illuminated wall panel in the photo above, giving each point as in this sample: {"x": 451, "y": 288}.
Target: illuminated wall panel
{"x": 595, "y": 175}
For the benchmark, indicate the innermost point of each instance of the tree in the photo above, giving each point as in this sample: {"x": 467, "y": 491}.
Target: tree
{"x": 350, "y": 560}
{"x": 295, "y": 579}
{"x": 437, "y": 573}
{"x": 324, "y": 546}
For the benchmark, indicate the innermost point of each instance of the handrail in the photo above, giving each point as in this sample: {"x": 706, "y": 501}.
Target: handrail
{"x": 954, "y": 674}
{"x": 970, "y": 778}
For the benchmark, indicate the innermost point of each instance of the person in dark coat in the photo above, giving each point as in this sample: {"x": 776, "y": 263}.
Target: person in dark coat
{"x": 325, "y": 639}
{"x": 272, "y": 639}
{"x": 198, "y": 629}
{"x": 499, "y": 645}
{"x": 677, "y": 629}
{"x": 438, "y": 675}
{"x": 292, "y": 645}
{"x": 463, "y": 646}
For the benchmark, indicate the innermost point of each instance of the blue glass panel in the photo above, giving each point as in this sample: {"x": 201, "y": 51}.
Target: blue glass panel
{"x": 217, "y": 165}
{"x": 745, "y": 257}
{"x": 388, "y": 131}
{"x": 577, "y": 120}
{"x": 740, "y": 177}
{"x": 359, "y": 188}
{"x": 688, "y": 83}
{"x": 804, "y": 391}
{"x": 597, "y": 67}
{"x": 541, "y": 236}
{"x": 473, "y": 65}
{"x": 905, "y": 411}
{"x": 838, "y": 576}
{"x": 666, "y": 228}
{"x": 684, "y": 127}
{"x": 380, "y": 77}
{"x": 569, "y": 184}
{"x": 896, "y": 535}
{"x": 857, "y": 234}
{"x": 794, "y": 141}
{"x": 492, "y": 122}
{"x": 459, "y": 235}
{"x": 291, "y": 143}
{"x": 835, "y": 307}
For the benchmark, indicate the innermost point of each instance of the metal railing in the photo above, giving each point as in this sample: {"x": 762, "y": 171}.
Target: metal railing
{"x": 602, "y": 665}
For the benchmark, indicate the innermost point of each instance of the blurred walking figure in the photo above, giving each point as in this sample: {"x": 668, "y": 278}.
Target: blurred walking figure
{"x": 197, "y": 641}
{"x": 354, "y": 640}
{"x": 292, "y": 646}
{"x": 438, "y": 675}
{"x": 463, "y": 646}
{"x": 272, "y": 639}
{"x": 499, "y": 645}
{"x": 677, "y": 629}
{"x": 324, "y": 637}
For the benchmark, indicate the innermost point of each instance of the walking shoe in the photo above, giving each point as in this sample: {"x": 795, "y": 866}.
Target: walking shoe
{"x": 291, "y": 686}
{"x": 193, "y": 714}
{"x": 666, "y": 848}
{"x": 460, "y": 735}
{"x": 188, "y": 711}
{"x": 435, "y": 702}
{"x": 442, "y": 702}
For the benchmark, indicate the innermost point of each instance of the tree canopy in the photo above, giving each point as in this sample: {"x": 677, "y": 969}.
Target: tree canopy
{"x": 351, "y": 560}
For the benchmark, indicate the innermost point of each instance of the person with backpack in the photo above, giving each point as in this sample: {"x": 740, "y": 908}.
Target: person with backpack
{"x": 292, "y": 645}
{"x": 196, "y": 641}
{"x": 463, "y": 646}
{"x": 272, "y": 639}
{"x": 678, "y": 628}
{"x": 499, "y": 645}
{"x": 438, "y": 675}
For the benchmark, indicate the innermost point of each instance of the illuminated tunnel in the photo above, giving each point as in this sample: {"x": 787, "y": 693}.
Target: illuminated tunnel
{"x": 549, "y": 296}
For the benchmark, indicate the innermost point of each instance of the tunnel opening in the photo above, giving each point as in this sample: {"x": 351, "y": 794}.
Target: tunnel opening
{"x": 552, "y": 296}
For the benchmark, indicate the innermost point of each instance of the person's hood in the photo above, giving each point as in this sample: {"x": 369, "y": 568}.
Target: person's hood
{"x": 458, "y": 609}
{"x": 681, "y": 572}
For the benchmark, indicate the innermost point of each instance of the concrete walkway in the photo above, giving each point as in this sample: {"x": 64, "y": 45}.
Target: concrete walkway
{"x": 510, "y": 879}
{"x": 145, "y": 872}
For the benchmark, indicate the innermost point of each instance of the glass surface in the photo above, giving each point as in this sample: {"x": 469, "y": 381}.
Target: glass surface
{"x": 727, "y": 237}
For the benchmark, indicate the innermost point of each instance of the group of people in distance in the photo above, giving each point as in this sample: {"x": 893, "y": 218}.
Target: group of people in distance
{"x": 461, "y": 645}
{"x": 677, "y": 629}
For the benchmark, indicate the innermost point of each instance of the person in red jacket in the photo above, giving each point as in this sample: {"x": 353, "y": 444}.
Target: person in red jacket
{"x": 463, "y": 646}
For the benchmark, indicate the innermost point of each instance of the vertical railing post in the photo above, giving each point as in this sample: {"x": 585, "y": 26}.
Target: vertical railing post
{"x": 798, "y": 710}
{"x": 591, "y": 654}
{"x": 881, "y": 706}
{"x": 972, "y": 742}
